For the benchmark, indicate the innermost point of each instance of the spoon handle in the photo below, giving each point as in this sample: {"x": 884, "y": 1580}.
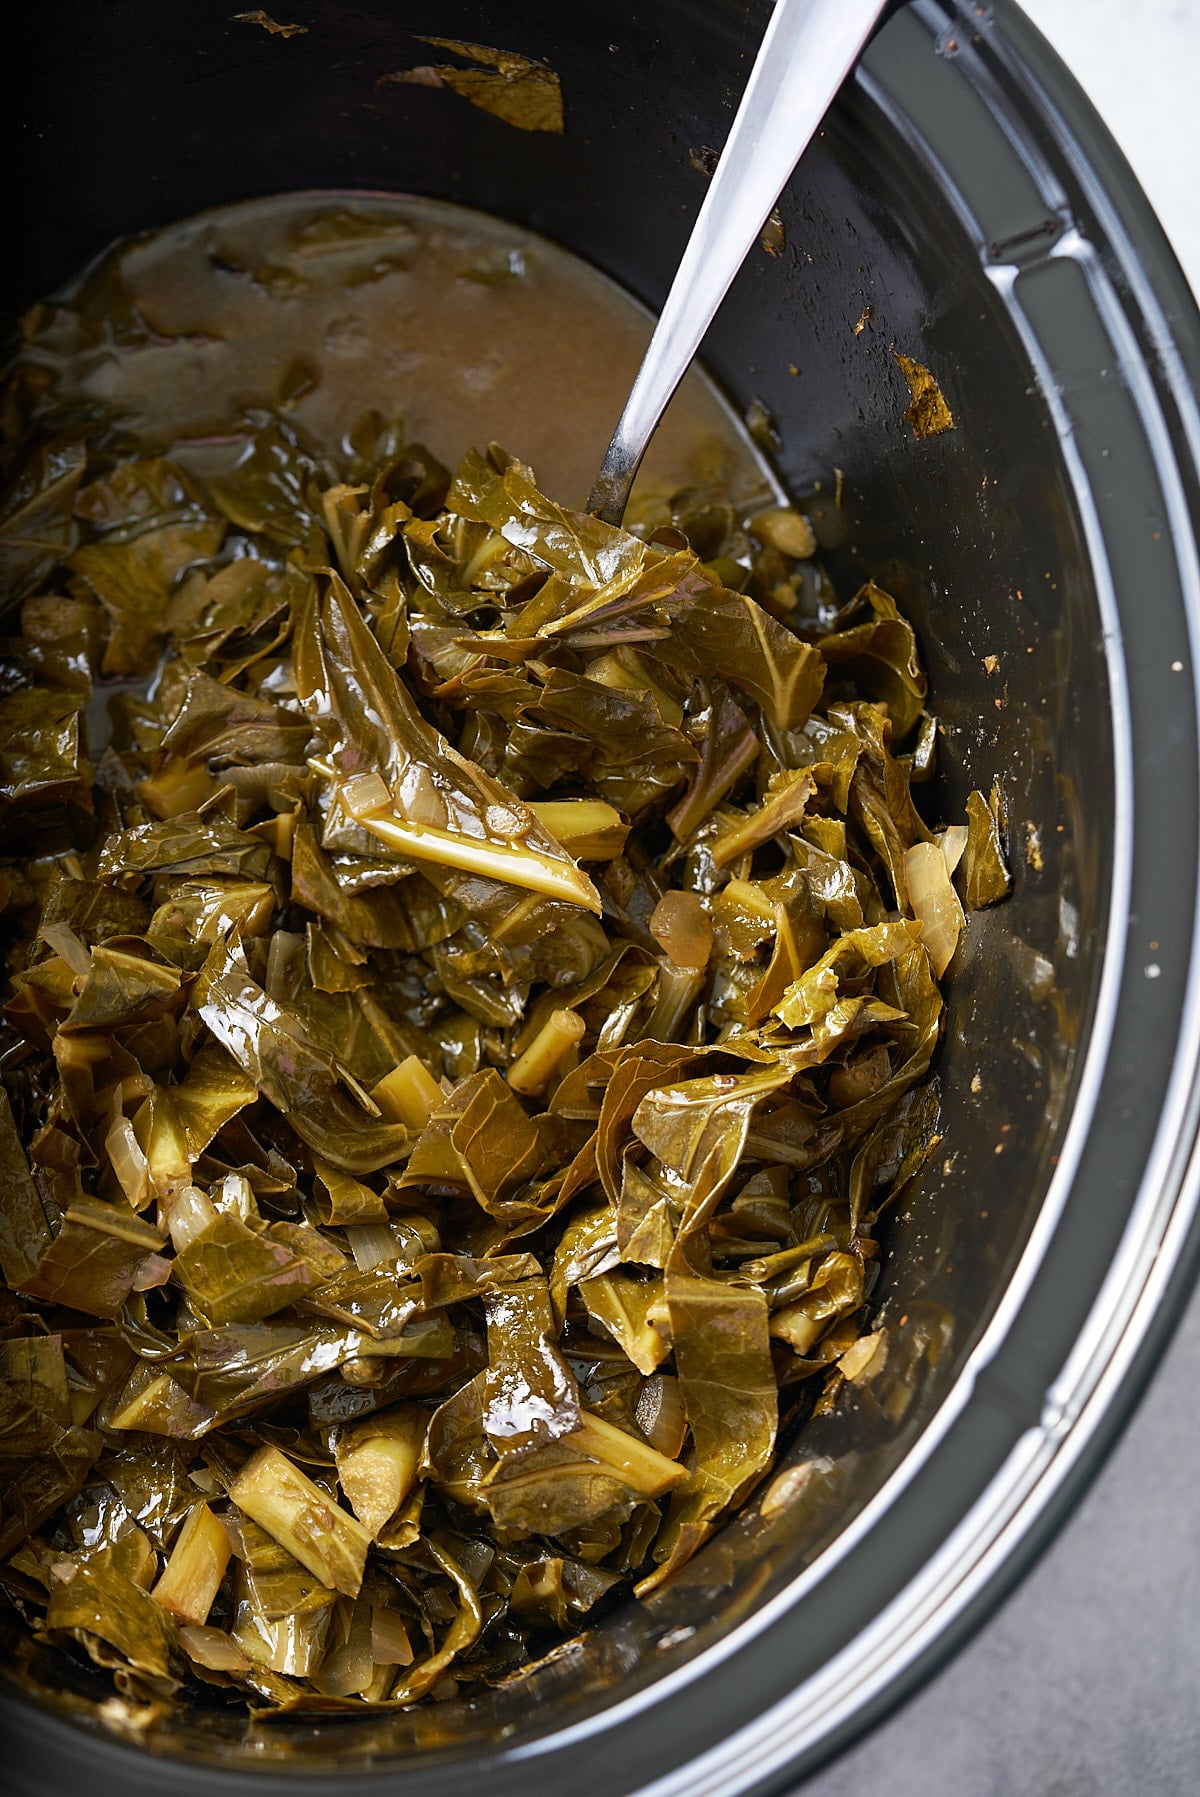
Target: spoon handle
{"x": 806, "y": 53}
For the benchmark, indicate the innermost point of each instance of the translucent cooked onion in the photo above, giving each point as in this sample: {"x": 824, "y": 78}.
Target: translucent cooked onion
{"x": 191, "y": 1212}
{"x": 390, "y": 1645}
{"x": 934, "y": 902}
{"x": 214, "y": 1649}
{"x": 680, "y": 925}
{"x": 66, "y": 943}
{"x": 660, "y": 1415}
{"x": 371, "y": 1244}
{"x": 128, "y": 1162}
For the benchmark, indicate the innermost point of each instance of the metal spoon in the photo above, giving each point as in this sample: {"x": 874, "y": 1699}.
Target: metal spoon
{"x": 807, "y": 51}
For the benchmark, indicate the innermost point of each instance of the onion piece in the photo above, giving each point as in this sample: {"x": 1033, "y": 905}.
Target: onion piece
{"x": 154, "y": 1271}
{"x": 953, "y": 843}
{"x": 371, "y": 1244}
{"x": 190, "y": 1213}
{"x": 128, "y": 1162}
{"x": 213, "y": 1649}
{"x": 348, "y": 1669}
{"x": 660, "y": 1415}
{"x": 680, "y": 925}
{"x": 933, "y": 902}
{"x": 67, "y": 946}
{"x": 785, "y": 529}
{"x": 234, "y": 1197}
{"x": 864, "y": 1358}
{"x": 363, "y": 794}
{"x": 390, "y": 1645}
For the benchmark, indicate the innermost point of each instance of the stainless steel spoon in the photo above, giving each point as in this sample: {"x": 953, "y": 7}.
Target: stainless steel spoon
{"x": 807, "y": 51}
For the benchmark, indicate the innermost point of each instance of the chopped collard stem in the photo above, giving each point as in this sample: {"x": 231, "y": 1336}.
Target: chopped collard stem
{"x": 469, "y": 1004}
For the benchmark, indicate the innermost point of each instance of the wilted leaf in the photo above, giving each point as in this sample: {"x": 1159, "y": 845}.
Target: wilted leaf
{"x": 45, "y": 780}
{"x": 529, "y": 1394}
{"x": 300, "y": 1079}
{"x": 35, "y": 1404}
{"x": 233, "y": 1275}
{"x": 879, "y": 655}
{"x": 133, "y": 580}
{"x": 95, "y": 1601}
{"x": 451, "y": 1215}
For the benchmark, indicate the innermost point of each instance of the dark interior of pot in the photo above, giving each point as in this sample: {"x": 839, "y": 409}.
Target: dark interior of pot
{"x": 127, "y": 117}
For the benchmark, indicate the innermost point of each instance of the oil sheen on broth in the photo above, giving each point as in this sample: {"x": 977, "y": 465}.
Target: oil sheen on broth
{"x": 466, "y": 328}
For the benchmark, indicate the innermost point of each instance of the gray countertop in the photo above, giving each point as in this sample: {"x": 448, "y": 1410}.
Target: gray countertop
{"x": 1086, "y": 1682}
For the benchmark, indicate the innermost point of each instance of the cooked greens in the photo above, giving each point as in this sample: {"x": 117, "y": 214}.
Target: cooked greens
{"x": 464, "y": 1027}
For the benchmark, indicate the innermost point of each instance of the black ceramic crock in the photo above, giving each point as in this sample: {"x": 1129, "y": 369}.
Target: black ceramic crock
{"x": 964, "y": 206}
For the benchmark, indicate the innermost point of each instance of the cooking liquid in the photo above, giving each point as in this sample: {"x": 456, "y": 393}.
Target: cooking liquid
{"x": 322, "y": 306}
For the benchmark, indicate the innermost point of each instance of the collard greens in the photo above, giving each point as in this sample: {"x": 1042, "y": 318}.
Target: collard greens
{"x": 462, "y": 1030}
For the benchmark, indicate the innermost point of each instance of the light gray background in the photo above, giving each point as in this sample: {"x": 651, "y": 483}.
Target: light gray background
{"x": 1087, "y": 1682}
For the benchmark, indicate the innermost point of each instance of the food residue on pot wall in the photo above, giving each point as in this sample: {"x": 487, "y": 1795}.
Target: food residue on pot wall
{"x": 927, "y": 412}
{"x": 508, "y": 86}
{"x": 259, "y": 17}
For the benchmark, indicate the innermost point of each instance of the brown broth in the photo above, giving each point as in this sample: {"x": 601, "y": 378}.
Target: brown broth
{"x": 464, "y": 327}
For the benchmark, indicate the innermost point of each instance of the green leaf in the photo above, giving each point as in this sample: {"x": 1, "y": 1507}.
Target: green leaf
{"x": 233, "y": 1275}
{"x": 124, "y": 988}
{"x": 697, "y": 1131}
{"x": 723, "y": 1363}
{"x": 94, "y": 1258}
{"x": 633, "y": 759}
{"x": 35, "y": 1403}
{"x": 220, "y": 725}
{"x": 36, "y": 1489}
{"x": 300, "y": 1079}
{"x": 879, "y": 654}
{"x": 464, "y": 1630}
{"x": 459, "y": 818}
{"x": 133, "y": 581}
{"x": 529, "y": 1393}
{"x": 621, "y": 1303}
{"x": 382, "y": 1301}
{"x": 581, "y": 548}
{"x": 25, "y": 1232}
{"x": 814, "y": 995}
{"x": 95, "y": 1601}
{"x": 266, "y": 487}
{"x": 728, "y": 750}
{"x": 186, "y": 845}
{"x": 509, "y": 87}
{"x": 45, "y": 779}
{"x": 754, "y": 652}
{"x": 36, "y": 527}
